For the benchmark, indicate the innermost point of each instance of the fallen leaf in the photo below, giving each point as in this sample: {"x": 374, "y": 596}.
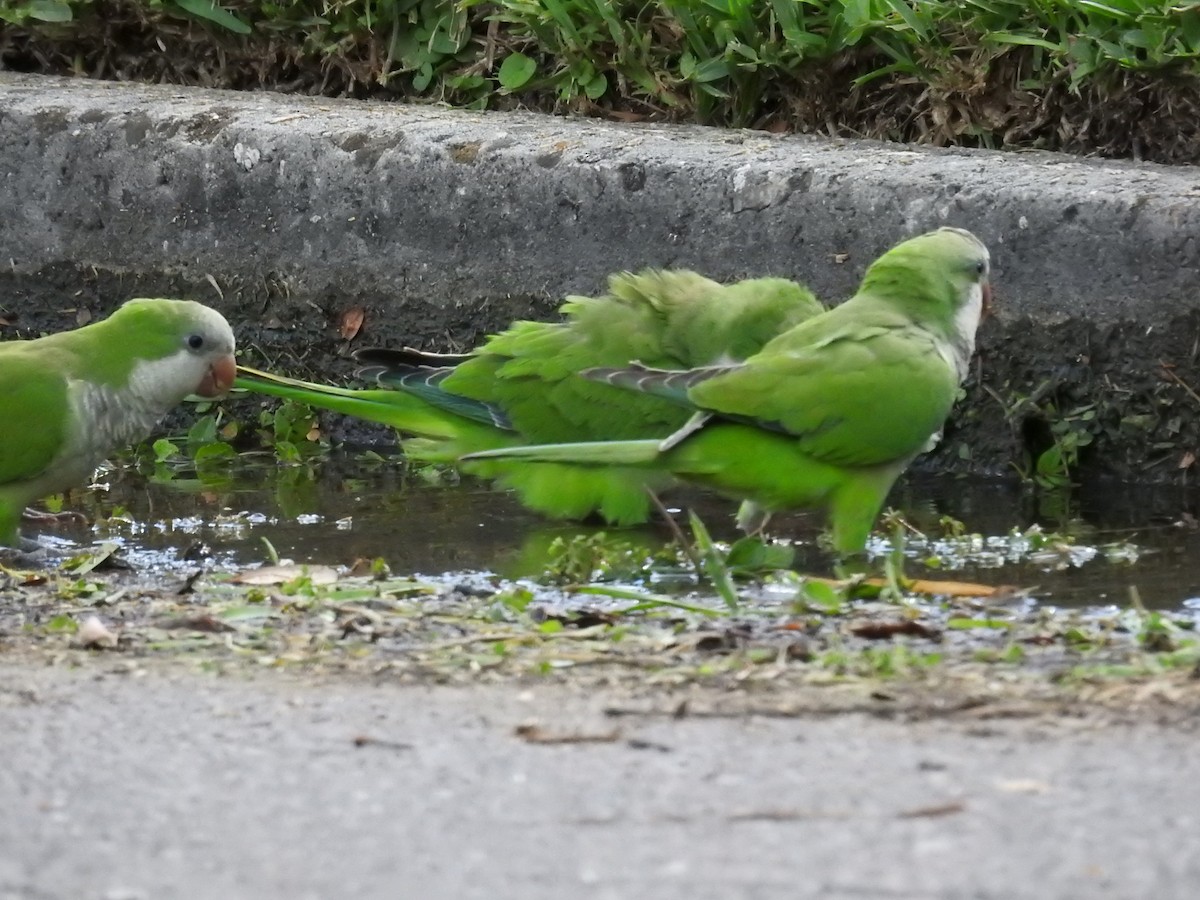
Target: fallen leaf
{"x": 267, "y": 575}
{"x": 102, "y": 557}
{"x": 875, "y": 631}
{"x": 923, "y": 586}
{"x": 955, "y": 588}
{"x": 351, "y": 321}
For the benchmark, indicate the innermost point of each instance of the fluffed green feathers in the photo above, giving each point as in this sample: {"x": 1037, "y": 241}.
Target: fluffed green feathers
{"x": 523, "y": 386}
{"x": 70, "y": 399}
{"x": 831, "y": 411}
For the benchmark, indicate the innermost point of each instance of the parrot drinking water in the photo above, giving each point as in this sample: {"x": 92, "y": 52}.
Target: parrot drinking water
{"x": 71, "y": 399}
{"x": 522, "y": 386}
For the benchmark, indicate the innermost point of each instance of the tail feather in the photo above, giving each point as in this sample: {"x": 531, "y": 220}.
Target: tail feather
{"x": 672, "y": 385}
{"x": 426, "y": 383}
{"x": 401, "y": 411}
{"x": 387, "y": 357}
{"x": 593, "y": 453}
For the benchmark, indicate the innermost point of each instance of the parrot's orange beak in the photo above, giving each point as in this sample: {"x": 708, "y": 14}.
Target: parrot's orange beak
{"x": 986, "y": 308}
{"x": 218, "y": 379}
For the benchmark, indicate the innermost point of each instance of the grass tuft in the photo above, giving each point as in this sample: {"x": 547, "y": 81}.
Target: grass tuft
{"x": 1116, "y": 77}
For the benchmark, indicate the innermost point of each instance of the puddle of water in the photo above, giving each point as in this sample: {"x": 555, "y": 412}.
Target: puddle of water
{"x": 346, "y": 507}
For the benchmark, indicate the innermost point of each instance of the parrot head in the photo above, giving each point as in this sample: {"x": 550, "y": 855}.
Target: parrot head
{"x": 940, "y": 279}
{"x": 183, "y": 349}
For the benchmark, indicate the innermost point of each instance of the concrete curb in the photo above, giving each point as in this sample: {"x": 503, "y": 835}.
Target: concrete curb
{"x": 442, "y": 222}
{"x": 416, "y": 202}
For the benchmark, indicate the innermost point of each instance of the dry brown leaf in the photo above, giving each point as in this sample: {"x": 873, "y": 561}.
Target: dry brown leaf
{"x": 928, "y": 586}
{"x": 876, "y": 631}
{"x": 351, "y": 321}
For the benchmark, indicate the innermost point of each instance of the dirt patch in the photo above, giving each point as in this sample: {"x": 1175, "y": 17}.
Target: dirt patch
{"x": 925, "y": 659}
{"x": 1113, "y": 401}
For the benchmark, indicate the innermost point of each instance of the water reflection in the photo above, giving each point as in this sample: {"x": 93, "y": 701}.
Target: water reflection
{"x": 353, "y": 506}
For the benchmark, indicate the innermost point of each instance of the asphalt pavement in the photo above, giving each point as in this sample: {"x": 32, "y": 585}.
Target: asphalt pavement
{"x": 121, "y": 783}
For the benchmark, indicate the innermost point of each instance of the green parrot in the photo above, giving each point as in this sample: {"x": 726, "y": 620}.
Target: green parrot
{"x": 829, "y": 413}
{"x": 71, "y": 399}
{"x": 522, "y": 386}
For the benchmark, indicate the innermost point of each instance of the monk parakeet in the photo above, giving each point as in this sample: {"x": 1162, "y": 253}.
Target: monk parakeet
{"x": 71, "y": 399}
{"x": 522, "y": 386}
{"x": 829, "y": 413}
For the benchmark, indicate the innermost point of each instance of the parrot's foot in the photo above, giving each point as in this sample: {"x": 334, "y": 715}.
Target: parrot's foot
{"x": 52, "y": 520}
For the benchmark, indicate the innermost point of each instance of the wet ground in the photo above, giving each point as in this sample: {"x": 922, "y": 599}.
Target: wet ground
{"x": 1104, "y": 538}
{"x": 461, "y": 724}
{"x": 355, "y": 563}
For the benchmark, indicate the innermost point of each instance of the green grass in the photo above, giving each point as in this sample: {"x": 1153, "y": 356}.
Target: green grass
{"x": 946, "y": 71}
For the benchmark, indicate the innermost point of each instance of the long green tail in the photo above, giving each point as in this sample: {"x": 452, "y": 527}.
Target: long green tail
{"x": 404, "y": 412}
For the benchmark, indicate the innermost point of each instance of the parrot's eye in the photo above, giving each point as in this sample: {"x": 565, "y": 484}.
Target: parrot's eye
{"x": 195, "y": 341}
{"x": 981, "y": 266}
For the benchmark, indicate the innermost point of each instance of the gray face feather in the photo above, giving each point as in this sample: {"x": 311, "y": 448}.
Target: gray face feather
{"x": 108, "y": 418}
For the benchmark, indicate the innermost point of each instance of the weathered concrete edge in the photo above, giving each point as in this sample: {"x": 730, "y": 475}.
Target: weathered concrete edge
{"x": 440, "y": 207}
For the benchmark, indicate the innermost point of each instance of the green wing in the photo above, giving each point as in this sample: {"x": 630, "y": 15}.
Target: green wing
{"x": 33, "y": 406}
{"x": 524, "y": 385}
{"x": 669, "y": 320}
{"x": 866, "y": 395}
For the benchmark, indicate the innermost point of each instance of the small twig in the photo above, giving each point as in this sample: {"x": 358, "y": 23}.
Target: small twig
{"x": 930, "y": 812}
{"x": 365, "y": 740}
{"x": 535, "y": 734}
{"x": 987, "y": 389}
{"x": 677, "y": 532}
{"x": 1170, "y": 373}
